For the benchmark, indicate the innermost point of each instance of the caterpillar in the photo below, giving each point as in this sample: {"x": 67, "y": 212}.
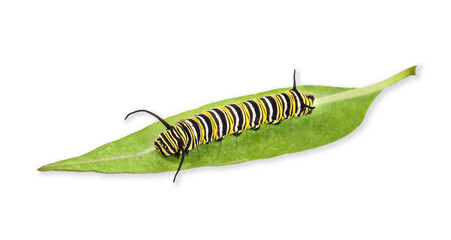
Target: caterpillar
{"x": 215, "y": 124}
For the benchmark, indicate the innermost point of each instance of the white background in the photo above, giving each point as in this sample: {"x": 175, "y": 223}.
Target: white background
{"x": 71, "y": 70}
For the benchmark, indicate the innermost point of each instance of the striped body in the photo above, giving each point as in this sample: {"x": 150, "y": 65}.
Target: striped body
{"x": 219, "y": 122}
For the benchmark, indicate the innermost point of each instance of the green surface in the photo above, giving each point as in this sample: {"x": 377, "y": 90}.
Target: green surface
{"x": 338, "y": 112}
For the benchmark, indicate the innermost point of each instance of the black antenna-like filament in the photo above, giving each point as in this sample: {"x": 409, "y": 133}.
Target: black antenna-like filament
{"x": 294, "y": 79}
{"x": 181, "y": 161}
{"x": 180, "y": 166}
{"x": 167, "y": 125}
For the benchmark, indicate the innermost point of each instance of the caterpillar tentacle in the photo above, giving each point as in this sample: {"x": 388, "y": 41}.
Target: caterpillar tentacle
{"x": 167, "y": 125}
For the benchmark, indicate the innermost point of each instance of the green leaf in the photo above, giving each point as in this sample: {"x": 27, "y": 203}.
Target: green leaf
{"x": 338, "y": 112}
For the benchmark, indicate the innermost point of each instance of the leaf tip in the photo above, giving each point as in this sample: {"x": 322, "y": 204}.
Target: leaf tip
{"x": 414, "y": 70}
{"x": 43, "y": 168}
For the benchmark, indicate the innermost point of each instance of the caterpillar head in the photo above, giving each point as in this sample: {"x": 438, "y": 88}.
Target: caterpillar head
{"x": 166, "y": 144}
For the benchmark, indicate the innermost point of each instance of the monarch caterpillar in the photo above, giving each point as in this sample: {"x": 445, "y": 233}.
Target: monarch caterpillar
{"x": 215, "y": 124}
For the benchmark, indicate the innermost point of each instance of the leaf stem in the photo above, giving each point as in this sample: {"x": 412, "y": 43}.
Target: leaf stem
{"x": 369, "y": 89}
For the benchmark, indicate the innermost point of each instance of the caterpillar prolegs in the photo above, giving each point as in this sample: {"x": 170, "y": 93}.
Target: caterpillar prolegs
{"x": 215, "y": 124}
